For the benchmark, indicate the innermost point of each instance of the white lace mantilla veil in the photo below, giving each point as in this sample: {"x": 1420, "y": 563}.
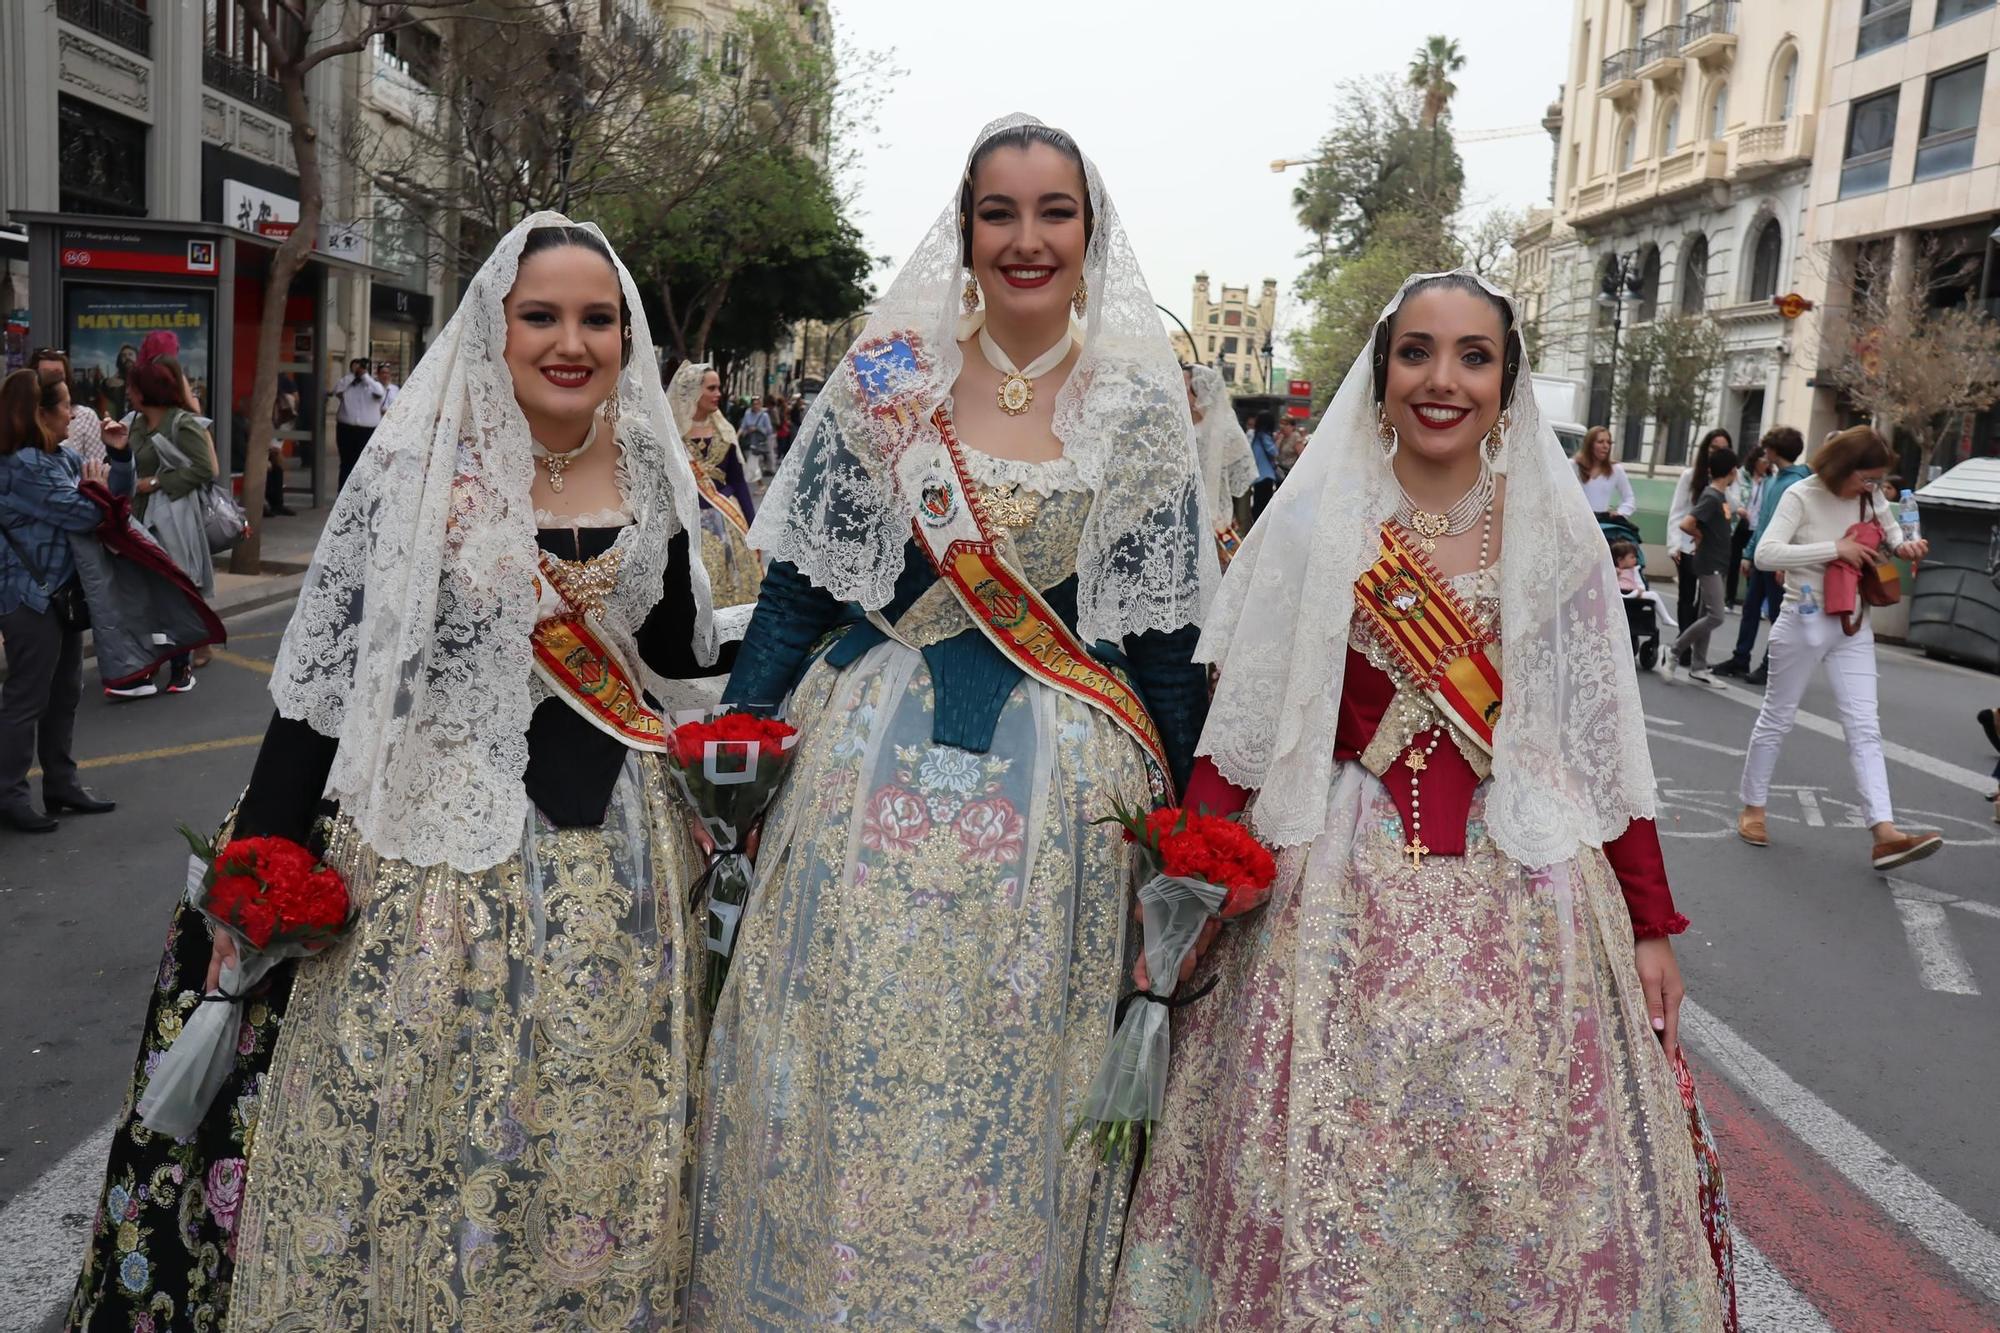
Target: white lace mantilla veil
{"x": 1571, "y": 766}
{"x": 685, "y": 392}
{"x": 841, "y": 504}
{"x": 1228, "y": 468}
{"x": 410, "y": 644}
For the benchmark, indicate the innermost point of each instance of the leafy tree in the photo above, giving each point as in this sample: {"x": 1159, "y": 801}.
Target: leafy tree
{"x": 300, "y": 36}
{"x": 1348, "y": 300}
{"x": 1668, "y": 369}
{"x": 1920, "y": 367}
{"x": 1379, "y": 160}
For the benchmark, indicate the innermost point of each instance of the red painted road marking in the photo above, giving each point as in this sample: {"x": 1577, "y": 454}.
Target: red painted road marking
{"x": 1842, "y": 1253}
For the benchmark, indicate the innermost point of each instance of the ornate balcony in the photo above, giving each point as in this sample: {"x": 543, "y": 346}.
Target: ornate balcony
{"x": 1709, "y": 33}
{"x": 1659, "y": 58}
{"x": 1618, "y": 79}
{"x": 243, "y": 83}
{"x": 120, "y": 21}
{"x": 1691, "y": 168}
{"x": 1763, "y": 149}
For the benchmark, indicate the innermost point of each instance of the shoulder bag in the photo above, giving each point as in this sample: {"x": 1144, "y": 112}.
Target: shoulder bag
{"x": 66, "y": 603}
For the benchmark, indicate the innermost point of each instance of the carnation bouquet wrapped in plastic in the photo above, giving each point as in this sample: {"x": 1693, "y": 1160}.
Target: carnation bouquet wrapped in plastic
{"x": 276, "y": 900}
{"x": 1203, "y": 866}
{"x": 728, "y": 767}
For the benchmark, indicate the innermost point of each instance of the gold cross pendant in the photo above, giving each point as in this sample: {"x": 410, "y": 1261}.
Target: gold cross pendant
{"x": 1416, "y": 851}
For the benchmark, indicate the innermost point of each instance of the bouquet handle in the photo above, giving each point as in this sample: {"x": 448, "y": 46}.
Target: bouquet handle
{"x": 178, "y": 1094}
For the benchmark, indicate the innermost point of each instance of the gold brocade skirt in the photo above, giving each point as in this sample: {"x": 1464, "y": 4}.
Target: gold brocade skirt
{"x": 478, "y": 1113}
{"x": 921, "y": 993}
{"x": 735, "y": 574}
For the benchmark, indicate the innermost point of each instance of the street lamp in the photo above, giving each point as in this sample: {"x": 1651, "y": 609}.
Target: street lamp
{"x": 1194, "y": 348}
{"x": 1623, "y": 278}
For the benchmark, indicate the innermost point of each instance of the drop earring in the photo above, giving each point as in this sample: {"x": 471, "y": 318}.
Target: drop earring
{"x": 1385, "y": 434}
{"x": 1080, "y": 302}
{"x": 1496, "y": 439}
{"x": 611, "y": 410}
{"x": 971, "y": 293}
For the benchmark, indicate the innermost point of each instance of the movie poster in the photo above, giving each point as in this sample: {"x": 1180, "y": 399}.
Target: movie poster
{"x": 106, "y": 325}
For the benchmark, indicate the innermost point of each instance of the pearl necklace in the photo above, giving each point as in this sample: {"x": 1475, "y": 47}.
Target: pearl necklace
{"x": 557, "y": 463}
{"x": 1017, "y": 390}
{"x": 1428, "y": 527}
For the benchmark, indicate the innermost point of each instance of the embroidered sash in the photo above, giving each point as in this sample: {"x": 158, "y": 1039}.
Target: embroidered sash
{"x": 719, "y": 500}
{"x": 958, "y": 538}
{"x": 583, "y": 670}
{"x": 1436, "y": 640}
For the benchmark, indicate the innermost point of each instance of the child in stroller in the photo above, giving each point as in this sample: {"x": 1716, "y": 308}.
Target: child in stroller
{"x": 1644, "y": 608}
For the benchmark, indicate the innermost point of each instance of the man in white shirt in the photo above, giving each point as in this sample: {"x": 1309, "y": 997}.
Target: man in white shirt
{"x": 385, "y": 371}
{"x": 362, "y": 398}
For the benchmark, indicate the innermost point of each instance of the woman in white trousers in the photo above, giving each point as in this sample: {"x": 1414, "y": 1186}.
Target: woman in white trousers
{"x": 1807, "y": 536}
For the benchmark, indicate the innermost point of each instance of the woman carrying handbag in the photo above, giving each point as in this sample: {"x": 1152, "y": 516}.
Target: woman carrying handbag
{"x": 175, "y": 463}
{"x": 1832, "y": 565}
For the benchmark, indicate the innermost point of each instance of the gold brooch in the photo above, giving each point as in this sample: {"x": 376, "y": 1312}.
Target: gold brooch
{"x": 1010, "y": 506}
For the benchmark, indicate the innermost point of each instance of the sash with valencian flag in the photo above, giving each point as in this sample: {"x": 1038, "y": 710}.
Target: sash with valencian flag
{"x": 954, "y": 531}
{"x": 574, "y": 660}
{"x": 718, "y": 499}
{"x": 1436, "y": 640}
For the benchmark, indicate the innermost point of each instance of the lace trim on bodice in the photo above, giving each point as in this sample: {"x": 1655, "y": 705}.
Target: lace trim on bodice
{"x": 1044, "y": 478}
{"x": 597, "y": 518}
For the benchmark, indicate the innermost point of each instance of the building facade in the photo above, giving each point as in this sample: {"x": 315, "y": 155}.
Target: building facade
{"x": 146, "y": 178}
{"x": 1682, "y": 162}
{"x": 1907, "y": 163}
{"x": 1232, "y": 333}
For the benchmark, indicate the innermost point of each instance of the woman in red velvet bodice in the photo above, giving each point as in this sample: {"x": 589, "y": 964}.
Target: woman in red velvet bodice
{"x": 1436, "y": 1081}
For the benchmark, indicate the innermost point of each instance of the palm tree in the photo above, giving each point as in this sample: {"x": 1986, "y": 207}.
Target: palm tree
{"x": 1430, "y": 74}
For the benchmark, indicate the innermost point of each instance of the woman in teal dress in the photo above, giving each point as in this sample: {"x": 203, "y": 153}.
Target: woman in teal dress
{"x": 925, "y": 975}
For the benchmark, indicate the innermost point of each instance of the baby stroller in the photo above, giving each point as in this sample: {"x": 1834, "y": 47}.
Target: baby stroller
{"x": 1640, "y": 619}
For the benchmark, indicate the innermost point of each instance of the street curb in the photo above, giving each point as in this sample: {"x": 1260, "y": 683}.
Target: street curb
{"x": 239, "y": 601}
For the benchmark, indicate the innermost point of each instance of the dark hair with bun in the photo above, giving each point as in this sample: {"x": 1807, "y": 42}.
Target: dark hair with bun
{"x": 1510, "y": 356}
{"x": 1020, "y": 136}
{"x": 554, "y": 238}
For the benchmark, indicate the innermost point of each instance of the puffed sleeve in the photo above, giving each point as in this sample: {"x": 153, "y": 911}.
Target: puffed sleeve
{"x": 288, "y": 782}
{"x": 1641, "y": 869}
{"x": 1175, "y": 690}
{"x": 666, "y": 640}
{"x": 792, "y": 614}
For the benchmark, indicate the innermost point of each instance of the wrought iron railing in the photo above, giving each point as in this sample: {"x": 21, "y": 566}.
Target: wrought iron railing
{"x": 1719, "y": 16}
{"x": 1618, "y": 67}
{"x": 120, "y": 21}
{"x": 240, "y": 81}
{"x": 1662, "y": 45}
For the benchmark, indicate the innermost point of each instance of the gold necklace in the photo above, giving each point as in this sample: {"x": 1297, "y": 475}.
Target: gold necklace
{"x": 557, "y": 463}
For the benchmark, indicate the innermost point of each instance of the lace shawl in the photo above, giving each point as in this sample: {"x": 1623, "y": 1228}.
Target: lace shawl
{"x": 410, "y": 645}
{"x": 1228, "y": 469}
{"x": 841, "y": 504}
{"x": 1571, "y": 766}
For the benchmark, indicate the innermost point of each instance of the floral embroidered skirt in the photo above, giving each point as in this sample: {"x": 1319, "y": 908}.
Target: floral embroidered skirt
{"x": 1421, "y": 1099}
{"x": 922, "y": 990}
{"x": 477, "y": 1115}
{"x": 735, "y": 574}
{"x": 163, "y": 1249}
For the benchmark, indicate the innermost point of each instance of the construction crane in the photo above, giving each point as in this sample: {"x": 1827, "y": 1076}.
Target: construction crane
{"x": 1469, "y": 136}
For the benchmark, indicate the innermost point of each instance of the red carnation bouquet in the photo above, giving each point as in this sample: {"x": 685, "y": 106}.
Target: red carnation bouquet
{"x": 1202, "y": 866}
{"x": 728, "y": 767}
{"x": 277, "y": 901}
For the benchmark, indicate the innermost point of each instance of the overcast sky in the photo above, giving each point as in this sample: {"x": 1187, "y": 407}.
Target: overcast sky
{"x": 1183, "y": 106}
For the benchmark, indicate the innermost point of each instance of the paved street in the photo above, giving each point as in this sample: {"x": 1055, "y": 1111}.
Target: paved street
{"x": 1843, "y": 1026}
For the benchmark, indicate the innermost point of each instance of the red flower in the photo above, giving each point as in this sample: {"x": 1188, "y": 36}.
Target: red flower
{"x": 895, "y": 821}
{"x": 691, "y": 739}
{"x": 273, "y": 892}
{"x": 1210, "y": 848}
